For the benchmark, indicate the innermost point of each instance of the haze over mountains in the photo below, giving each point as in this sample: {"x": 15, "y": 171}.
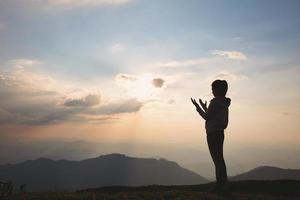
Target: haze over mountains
{"x": 113, "y": 169}
{"x": 117, "y": 169}
{"x": 194, "y": 158}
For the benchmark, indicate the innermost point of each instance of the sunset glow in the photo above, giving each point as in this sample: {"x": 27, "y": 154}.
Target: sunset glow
{"x": 119, "y": 74}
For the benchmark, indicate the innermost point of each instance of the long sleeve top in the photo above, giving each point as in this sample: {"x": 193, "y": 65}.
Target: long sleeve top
{"x": 217, "y": 114}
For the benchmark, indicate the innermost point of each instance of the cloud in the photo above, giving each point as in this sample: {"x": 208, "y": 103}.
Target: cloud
{"x": 102, "y": 119}
{"x": 158, "y": 82}
{"x": 234, "y": 55}
{"x": 80, "y": 114}
{"x": 171, "y": 101}
{"x": 18, "y": 73}
{"x": 101, "y": 113}
{"x": 116, "y": 48}
{"x": 123, "y": 106}
{"x": 80, "y": 3}
{"x": 230, "y": 76}
{"x": 180, "y": 63}
{"x": 56, "y": 117}
{"x": 21, "y": 63}
{"x": 125, "y": 78}
{"x": 287, "y": 113}
{"x": 144, "y": 87}
{"x": 89, "y": 100}
{"x": 30, "y": 98}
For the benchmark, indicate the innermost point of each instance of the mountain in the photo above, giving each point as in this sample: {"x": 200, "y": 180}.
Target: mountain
{"x": 106, "y": 170}
{"x": 268, "y": 173}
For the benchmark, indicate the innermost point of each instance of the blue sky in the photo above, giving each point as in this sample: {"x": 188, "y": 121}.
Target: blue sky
{"x": 77, "y": 37}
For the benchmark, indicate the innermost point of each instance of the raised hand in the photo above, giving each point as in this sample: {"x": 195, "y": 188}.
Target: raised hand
{"x": 203, "y": 105}
{"x": 195, "y": 103}
{"x": 201, "y": 112}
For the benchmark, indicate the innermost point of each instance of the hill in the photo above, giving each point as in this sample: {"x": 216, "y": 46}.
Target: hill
{"x": 268, "y": 173}
{"x": 275, "y": 187}
{"x": 106, "y": 170}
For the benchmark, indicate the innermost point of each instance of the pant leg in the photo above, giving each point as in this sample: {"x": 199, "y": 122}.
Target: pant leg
{"x": 215, "y": 142}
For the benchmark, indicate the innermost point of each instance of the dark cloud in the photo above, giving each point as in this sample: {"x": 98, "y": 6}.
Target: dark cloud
{"x": 89, "y": 100}
{"x": 55, "y": 118}
{"x": 84, "y": 114}
{"x": 103, "y": 119}
{"x": 22, "y": 102}
{"x": 171, "y": 101}
{"x": 158, "y": 82}
{"x": 55, "y": 115}
{"x": 287, "y": 113}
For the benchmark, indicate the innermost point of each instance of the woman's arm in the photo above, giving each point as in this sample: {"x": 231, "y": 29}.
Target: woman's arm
{"x": 202, "y": 113}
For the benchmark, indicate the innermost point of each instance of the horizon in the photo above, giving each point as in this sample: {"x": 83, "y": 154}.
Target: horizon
{"x": 81, "y": 78}
{"x": 117, "y": 156}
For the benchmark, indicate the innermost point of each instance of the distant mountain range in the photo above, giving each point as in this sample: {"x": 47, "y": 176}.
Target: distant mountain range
{"x": 106, "y": 170}
{"x": 117, "y": 169}
{"x": 268, "y": 173}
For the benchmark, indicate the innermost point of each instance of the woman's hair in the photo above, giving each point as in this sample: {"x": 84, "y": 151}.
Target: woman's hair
{"x": 219, "y": 88}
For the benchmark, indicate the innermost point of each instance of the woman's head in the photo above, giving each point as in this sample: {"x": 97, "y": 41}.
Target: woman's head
{"x": 219, "y": 88}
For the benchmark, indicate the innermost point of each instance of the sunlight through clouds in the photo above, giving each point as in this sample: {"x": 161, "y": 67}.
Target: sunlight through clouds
{"x": 144, "y": 87}
{"x": 129, "y": 67}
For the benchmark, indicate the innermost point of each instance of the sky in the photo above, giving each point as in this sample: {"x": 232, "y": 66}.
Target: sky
{"x": 120, "y": 73}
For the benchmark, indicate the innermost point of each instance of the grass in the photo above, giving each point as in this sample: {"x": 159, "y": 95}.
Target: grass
{"x": 160, "y": 195}
{"x": 244, "y": 190}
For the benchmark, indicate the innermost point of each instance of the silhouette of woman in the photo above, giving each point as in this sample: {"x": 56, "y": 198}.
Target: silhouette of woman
{"x": 216, "y": 121}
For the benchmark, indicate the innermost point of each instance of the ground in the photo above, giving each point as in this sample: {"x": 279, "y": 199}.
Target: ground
{"x": 244, "y": 190}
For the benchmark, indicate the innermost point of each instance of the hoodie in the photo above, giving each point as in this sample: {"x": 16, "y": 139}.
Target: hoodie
{"x": 217, "y": 114}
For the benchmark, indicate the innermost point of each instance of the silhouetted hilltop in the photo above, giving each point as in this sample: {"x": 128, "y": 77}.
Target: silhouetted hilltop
{"x": 268, "y": 173}
{"x": 105, "y": 170}
{"x": 273, "y": 187}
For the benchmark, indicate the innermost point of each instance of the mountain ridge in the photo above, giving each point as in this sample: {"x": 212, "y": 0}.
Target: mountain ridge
{"x": 268, "y": 173}
{"x": 110, "y": 169}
